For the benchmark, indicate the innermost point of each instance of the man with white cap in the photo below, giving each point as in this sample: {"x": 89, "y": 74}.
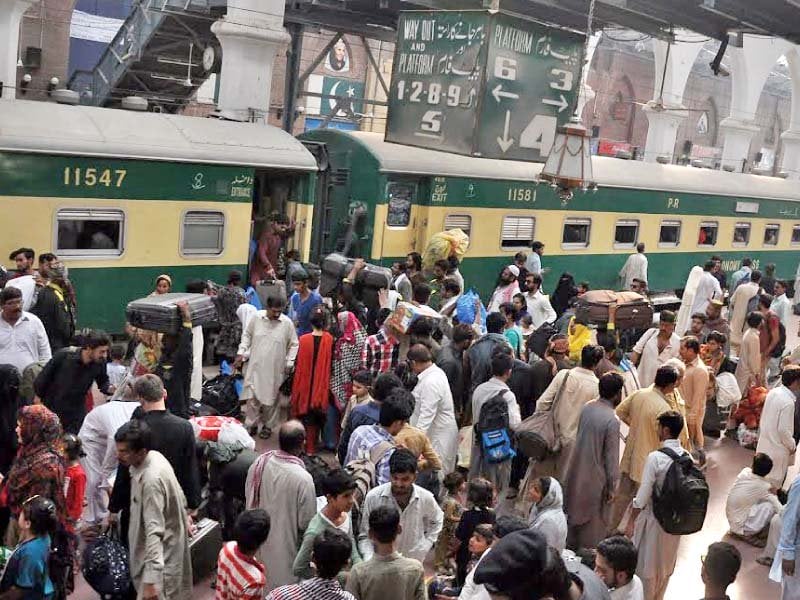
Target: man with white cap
{"x": 507, "y": 287}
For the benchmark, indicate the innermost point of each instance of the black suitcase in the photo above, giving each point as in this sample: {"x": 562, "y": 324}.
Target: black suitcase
{"x": 266, "y": 289}
{"x": 540, "y": 339}
{"x": 204, "y": 547}
{"x": 160, "y": 312}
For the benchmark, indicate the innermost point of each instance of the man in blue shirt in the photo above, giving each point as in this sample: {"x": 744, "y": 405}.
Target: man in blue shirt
{"x": 302, "y": 302}
{"x": 367, "y": 414}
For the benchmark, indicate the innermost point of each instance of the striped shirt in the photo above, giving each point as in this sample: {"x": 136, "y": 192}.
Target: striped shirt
{"x": 311, "y": 589}
{"x": 239, "y": 577}
{"x": 364, "y": 440}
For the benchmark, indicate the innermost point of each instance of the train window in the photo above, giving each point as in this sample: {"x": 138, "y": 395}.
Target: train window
{"x": 462, "y": 222}
{"x": 771, "y": 232}
{"x": 203, "y": 232}
{"x": 741, "y": 234}
{"x": 670, "y": 234}
{"x": 517, "y": 232}
{"x": 796, "y": 234}
{"x": 576, "y": 233}
{"x": 400, "y": 197}
{"x": 89, "y": 232}
{"x": 626, "y": 234}
{"x": 707, "y": 236}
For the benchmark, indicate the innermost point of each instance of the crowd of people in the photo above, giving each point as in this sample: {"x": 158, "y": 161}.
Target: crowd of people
{"x": 399, "y": 471}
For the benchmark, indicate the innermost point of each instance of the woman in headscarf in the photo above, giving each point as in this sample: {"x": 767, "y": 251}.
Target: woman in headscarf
{"x": 349, "y": 335}
{"x": 39, "y": 466}
{"x": 9, "y": 401}
{"x": 547, "y": 513}
{"x": 147, "y": 351}
{"x": 228, "y": 300}
{"x": 565, "y": 289}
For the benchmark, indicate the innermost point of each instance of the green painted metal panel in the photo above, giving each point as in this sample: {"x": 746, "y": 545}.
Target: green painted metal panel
{"x": 487, "y": 193}
{"x": 482, "y": 83}
{"x": 533, "y": 75}
{"x": 103, "y": 294}
{"x": 82, "y": 177}
{"x": 437, "y": 79}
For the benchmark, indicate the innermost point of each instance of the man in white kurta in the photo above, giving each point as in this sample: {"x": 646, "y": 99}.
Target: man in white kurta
{"x": 777, "y": 425}
{"x": 708, "y": 289}
{"x": 634, "y": 268}
{"x": 655, "y": 348}
{"x": 269, "y": 345}
{"x": 738, "y": 308}
{"x": 658, "y": 550}
{"x": 434, "y": 413}
{"x": 539, "y": 307}
{"x": 752, "y": 502}
{"x": 100, "y": 460}
{"x": 278, "y": 482}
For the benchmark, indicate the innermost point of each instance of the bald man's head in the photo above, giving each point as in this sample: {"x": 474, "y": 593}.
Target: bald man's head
{"x": 292, "y": 437}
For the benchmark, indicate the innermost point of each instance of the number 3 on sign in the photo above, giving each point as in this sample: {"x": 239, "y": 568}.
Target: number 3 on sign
{"x": 539, "y": 134}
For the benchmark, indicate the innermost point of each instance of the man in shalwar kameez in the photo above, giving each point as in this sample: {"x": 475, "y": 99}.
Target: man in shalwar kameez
{"x": 777, "y": 425}
{"x": 593, "y": 473}
{"x": 269, "y": 344}
{"x": 279, "y": 483}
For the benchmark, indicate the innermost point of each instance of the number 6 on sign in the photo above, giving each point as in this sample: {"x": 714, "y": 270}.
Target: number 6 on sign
{"x": 431, "y": 121}
{"x": 505, "y": 68}
{"x": 539, "y": 134}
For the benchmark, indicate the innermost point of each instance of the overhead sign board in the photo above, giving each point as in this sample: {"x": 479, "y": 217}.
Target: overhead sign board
{"x": 480, "y": 83}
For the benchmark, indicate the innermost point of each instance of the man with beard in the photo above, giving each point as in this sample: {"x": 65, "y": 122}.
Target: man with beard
{"x": 23, "y": 339}
{"x": 507, "y": 288}
{"x": 66, "y": 378}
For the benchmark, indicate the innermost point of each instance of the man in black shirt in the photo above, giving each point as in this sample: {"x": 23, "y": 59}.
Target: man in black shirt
{"x": 175, "y": 366}
{"x": 171, "y": 436}
{"x": 66, "y": 379}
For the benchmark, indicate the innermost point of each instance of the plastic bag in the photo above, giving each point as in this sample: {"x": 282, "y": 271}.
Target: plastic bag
{"x": 465, "y": 309}
{"x": 444, "y": 245}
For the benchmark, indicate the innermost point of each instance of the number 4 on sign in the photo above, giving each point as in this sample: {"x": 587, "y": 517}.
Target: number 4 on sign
{"x": 539, "y": 134}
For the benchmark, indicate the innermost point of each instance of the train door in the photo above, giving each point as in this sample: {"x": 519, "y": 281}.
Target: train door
{"x": 333, "y": 224}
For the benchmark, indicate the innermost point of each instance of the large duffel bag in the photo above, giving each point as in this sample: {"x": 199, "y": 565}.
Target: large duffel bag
{"x": 633, "y": 311}
{"x": 160, "y": 312}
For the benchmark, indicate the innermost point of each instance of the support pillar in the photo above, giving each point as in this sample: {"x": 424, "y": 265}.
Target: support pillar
{"x": 791, "y": 153}
{"x": 662, "y": 132}
{"x": 738, "y": 134}
{"x": 250, "y": 35}
{"x": 673, "y": 63}
{"x": 587, "y": 94}
{"x": 11, "y": 12}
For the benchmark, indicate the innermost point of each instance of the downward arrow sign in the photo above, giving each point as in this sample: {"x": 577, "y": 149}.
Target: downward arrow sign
{"x": 506, "y": 142}
{"x": 561, "y": 103}
{"x": 498, "y": 93}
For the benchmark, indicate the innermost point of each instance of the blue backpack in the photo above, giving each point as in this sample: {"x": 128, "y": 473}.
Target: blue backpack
{"x": 492, "y": 430}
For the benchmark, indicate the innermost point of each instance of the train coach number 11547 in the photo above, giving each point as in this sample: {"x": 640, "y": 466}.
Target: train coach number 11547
{"x": 91, "y": 176}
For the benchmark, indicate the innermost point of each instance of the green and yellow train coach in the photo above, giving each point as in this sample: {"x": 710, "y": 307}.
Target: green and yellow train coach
{"x": 123, "y": 196}
{"x": 683, "y": 214}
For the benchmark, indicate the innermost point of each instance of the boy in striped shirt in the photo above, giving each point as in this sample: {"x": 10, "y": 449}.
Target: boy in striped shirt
{"x": 240, "y": 575}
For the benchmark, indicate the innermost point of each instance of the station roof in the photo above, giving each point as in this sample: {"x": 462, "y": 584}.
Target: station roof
{"x": 713, "y": 18}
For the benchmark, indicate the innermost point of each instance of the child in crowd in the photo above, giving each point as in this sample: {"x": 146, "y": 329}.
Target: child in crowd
{"x": 362, "y": 383}
{"x": 480, "y": 499}
{"x": 117, "y": 372}
{"x": 74, "y": 480}
{"x": 481, "y": 540}
{"x": 455, "y": 485}
{"x": 527, "y": 328}
{"x": 25, "y": 575}
{"x": 338, "y": 487}
{"x": 240, "y": 575}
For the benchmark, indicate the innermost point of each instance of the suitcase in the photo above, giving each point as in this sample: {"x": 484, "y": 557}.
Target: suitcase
{"x": 160, "y": 312}
{"x": 275, "y": 288}
{"x": 375, "y": 277}
{"x": 336, "y": 266}
{"x": 204, "y": 547}
{"x": 634, "y": 311}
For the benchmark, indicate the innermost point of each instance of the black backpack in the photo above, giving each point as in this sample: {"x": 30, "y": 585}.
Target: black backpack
{"x": 221, "y": 395}
{"x": 540, "y": 338}
{"x": 492, "y": 430}
{"x": 680, "y": 506}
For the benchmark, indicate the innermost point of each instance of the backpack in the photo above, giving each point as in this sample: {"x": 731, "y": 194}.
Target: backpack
{"x": 220, "y": 394}
{"x": 492, "y": 430}
{"x": 363, "y": 471}
{"x": 540, "y": 338}
{"x": 680, "y": 506}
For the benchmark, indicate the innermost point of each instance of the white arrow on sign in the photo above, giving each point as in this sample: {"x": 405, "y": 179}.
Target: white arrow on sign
{"x": 506, "y": 142}
{"x": 561, "y": 103}
{"x": 498, "y": 93}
